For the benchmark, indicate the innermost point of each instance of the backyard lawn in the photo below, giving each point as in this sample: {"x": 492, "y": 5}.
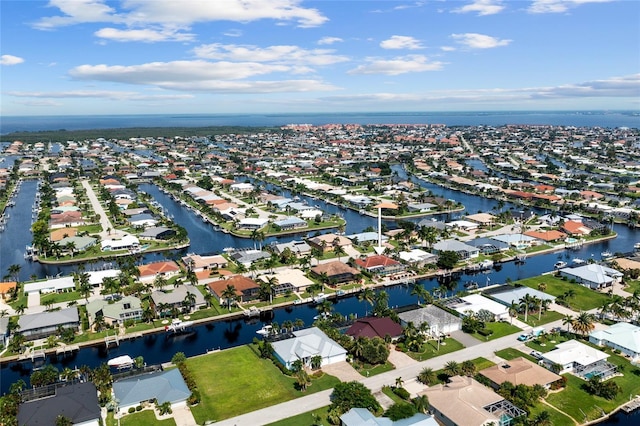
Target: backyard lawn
{"x": 584, "y": 298}
{"x": 318, "y": 416}
{"x": 430, "y": 349}
{"x": 236, "y": 381}
{"x": 511, "y": 353}
{"x": 371, "y": 370}
{"x": 545, "y": 318}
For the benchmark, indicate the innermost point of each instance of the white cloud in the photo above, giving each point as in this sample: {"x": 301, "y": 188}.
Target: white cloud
{"x": 142, "y": 35}
{"x": 277, "y": 54}
{"x": 200, "y": 76}
{"x": 479, "y": 41}
{"x": 180, "y": 14}
{"x": 233, "y": 33}
{"x": 329, "y": 40}
{"x": 99, "y": 94}
{"x": 10, "y": 60}
{"x": 396, "y": 66}
{"x": 483, "y": 7}
{"x": 401, "y": 42}
{"x": 559, "y": 6}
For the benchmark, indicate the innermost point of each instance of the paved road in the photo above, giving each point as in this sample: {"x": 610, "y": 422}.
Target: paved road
{"x": 108, "y": 230}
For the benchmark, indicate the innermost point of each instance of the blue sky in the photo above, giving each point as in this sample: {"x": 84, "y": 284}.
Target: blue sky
{"x": 78, "y": 57}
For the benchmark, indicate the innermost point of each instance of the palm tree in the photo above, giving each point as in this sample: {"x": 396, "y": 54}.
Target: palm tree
{"x": 514, "y": 308}
{"x": 189, "y": 301}
{"x": 421, "y": 403}
{"x": 526, "y": 301}
{"x": 568, "y": 321}
{"x": 302, "y": 379}
{"x": 542, "y": 286}
{"x": 421, "y": 293}
{"x": 399, "y": 382}
{"x": 229, "y": 294}
{"x": 14, "y": 272}
{"x": 316, "y": 361}
{"x": 339, "y": 251}
{"x": 452, "y": 368}
{"x": 325, "y": 308}
{"x": 583, "y": 323}
{"x": 367, "y": 295}
{"x": 427, "y": 376}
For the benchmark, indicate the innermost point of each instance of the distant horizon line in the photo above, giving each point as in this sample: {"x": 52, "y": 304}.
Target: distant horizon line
{"x": 546, "y": 111}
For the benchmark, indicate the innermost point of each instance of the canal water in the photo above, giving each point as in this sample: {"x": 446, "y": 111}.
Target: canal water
{"x": 214, "y": 335}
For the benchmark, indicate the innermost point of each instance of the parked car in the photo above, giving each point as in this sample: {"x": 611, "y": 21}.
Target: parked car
{"x": 536, "y": 354}
{"x": 524, "y": 337}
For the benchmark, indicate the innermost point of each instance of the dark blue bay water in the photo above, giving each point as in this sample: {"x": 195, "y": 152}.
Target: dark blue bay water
{"x": 609, "y": 119}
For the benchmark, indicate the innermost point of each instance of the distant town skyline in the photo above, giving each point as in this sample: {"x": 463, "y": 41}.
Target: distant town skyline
{"x": 83, "y": 57}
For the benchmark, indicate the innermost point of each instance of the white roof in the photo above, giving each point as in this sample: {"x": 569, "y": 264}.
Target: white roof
{"x": 574, "y": 351}
{"x": 621, "y": 334}
{"x": 307, "y": 343}
{"x": 54, "y": 284}
{"x": 124, "y": 242}
{"x": 415, "y": 255}
{"x": 476, "y": 302}
{"x": 254, "y": 221}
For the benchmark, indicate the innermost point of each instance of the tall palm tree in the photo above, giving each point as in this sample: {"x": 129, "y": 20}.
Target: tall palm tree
{"x": 229, "y": 294}
{"x": 14, "y": 272}
{"x": 583, "y": 323}
{"x": 421, "y": 293}
{"x": 526, "y": 302}
{"x": 568, "y": 321}
{"x": 367, "y": 295}
{"x": 421, "y": 403}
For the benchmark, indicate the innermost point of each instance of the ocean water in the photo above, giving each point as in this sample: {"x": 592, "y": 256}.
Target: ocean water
{"x": 608, "y": 119}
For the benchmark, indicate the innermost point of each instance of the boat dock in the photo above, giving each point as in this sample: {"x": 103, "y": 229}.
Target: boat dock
{"x": 631, "y": 405}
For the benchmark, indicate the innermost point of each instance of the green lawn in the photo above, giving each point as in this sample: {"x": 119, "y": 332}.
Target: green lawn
{"x": 430, "y": 349}
{"x": 500, "y": 329}
{"x": 236, "y": 381}
{"x": 371, "y": 370}
{"x": 318, "y": 416}
{"x": 143, "y": 418}
{"x": 545, "y": 318}
{"x": 584, "y": 299}
{"x": 511, "y": 353}
{"x": 556, "y": 417}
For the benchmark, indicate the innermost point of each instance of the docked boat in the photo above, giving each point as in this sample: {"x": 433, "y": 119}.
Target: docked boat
{"x": 560, "y": 264}
{"x": 252, "y": 312}
{"x": 606, "y": 254}
{"x": 471, "y": 285}
{"x": 578, "y": 261}
{"x": 177, "y": 325}
{"x": 265, "y": 330}
{"x": 123, "y": 361}
{"x": 319, "y": 298}
{"x": 636, "y": 246}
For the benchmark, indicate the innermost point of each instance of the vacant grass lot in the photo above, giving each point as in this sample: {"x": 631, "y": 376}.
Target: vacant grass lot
{"x": 314, "y": 417}
{"x": 583, "y": 300}
{"x": 236, "y": 381}
{"x": 500, "y": 329}
{"x": 511, "y": 353}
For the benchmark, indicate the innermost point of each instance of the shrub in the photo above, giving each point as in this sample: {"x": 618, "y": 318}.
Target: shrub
{"x": 485, "y": 332}
{"x": 139, "y": 408}
{"x": 401, "y": 392}
{"x": 194, "y": 398}
{"x": 132, "y": 410}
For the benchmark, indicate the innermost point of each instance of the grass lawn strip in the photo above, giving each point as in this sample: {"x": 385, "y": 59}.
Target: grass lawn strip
{"x": 318, "y": 416}
{"x": 500, "y": 329}
{"x": 430, "y": 349}
{"x": 237, "y": 381}
{"x": 144, "y": 418}
{"x": 584, "y": 299}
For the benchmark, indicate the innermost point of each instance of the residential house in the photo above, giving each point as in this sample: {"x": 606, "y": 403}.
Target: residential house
{"x": 582, "y": 360}
{"x": 464, "y": 401}
{"x": 247, "y": 257}
{"x": 417, "y": 257}
{"x": 508, "y": 295}
{"x": 157, "y": 233}
{"x": 576, "y": 228}
{"x": 306, "y": 344}
{"x": 127, "y": 242}
{"x": 177, "y": 298}
{"x": 44, "y": 324}
{"x": 336, "y": 272}
{"x": 327, "y": 242}
{"x": 198, "y": 263}
{"x": 475, "y": 302}
{"x": 115, "y": 312}
{"x": 439, "y": 321}
{"x": 252, "y": 224}
{"x": 593, "y": 275}
{"x": 161, "y": 386}
{"x": 291, "y": 223}
{"x": 379, "y": 264}
{"x": 4, "y": 330}
{"x": 165, "y": 268}
{"x": 364, "y": 417}
{"x": 77, "y": 402}
{"x": 246, "y": 288}
{"x": 519, "y": 371}
{"x": 465, "y": 251}
{"x": 298, "y": 248}
{"x": 289, "y": 279}
{"x": 375, "y": 327}
{"x": 7, "y": 288}
{"x": 488, "y": 246}
{"x": 621, "y": 336}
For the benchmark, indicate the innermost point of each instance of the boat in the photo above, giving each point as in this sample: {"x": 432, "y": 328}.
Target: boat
{"x": 177, "y": 325}
{"x": 578, "y": 261}
{"x": 636, "y": 246}
{"x": 265, "y": 330}
{"x": 123, "y": 361}
{"x": 319, "y": 298}
{"x": 252, "y": 312}
{"x": 560, "y": 264}
{"x": 606, "y": 254}
{"x": 471, "y": 285}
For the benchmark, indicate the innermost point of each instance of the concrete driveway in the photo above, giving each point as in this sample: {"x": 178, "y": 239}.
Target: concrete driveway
{"x": 343, "y": 371}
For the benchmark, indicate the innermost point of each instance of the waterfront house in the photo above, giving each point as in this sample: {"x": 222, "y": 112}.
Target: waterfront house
{"x": 547, "y": 235}
{"x": 44, "y": 324}
{"x": 622, "y": 336}
{"x": 177, "y": 297}
{"x": 127, "y": 242}
{"x": 379, "y": 264}
{"x": 198, "y": 263}
{"x": 417, "y": 257}
{"x": 580, "y": 359}
{"x": 291, "y": 223}
{"x": 364, "y": 417}
{"x": 289, "y": 279}
{"x": 7, "y": 288}
{"x": 593, "y": 275}
{"x": 298, "y": 248}
{"x": 370, "y": 327}
{"x": 66, "y": 219}
{"x": 464, "y": 401}
{"x": 78, "y": 243}
{"x": 573, "y": 227}
{"x": 143, "y": 220}
{"x": 246, "y": 288}
{"x": 247, "y": 257}
{"x": 306, "y": 344}
{"x": 252, "y": 223}
{"x": 465, "y": 251}
{"x": 327, "y": 242}
{"x": 165, "y": 268}
{"x": 474, "y": 303}
{"x": 157, "y": 233}
{"x": 519, "y": 371}
{"x": 77, "y": 402}
{"x": 488, "y": 246}
{"x": 61, "y": 233}
{"x": 439, "y": 320}
{"x": 115, "y": 312}
{"x": 507, "y": 294}
{"x": 336, "y": 272}
{"x": 161, "y": 386}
